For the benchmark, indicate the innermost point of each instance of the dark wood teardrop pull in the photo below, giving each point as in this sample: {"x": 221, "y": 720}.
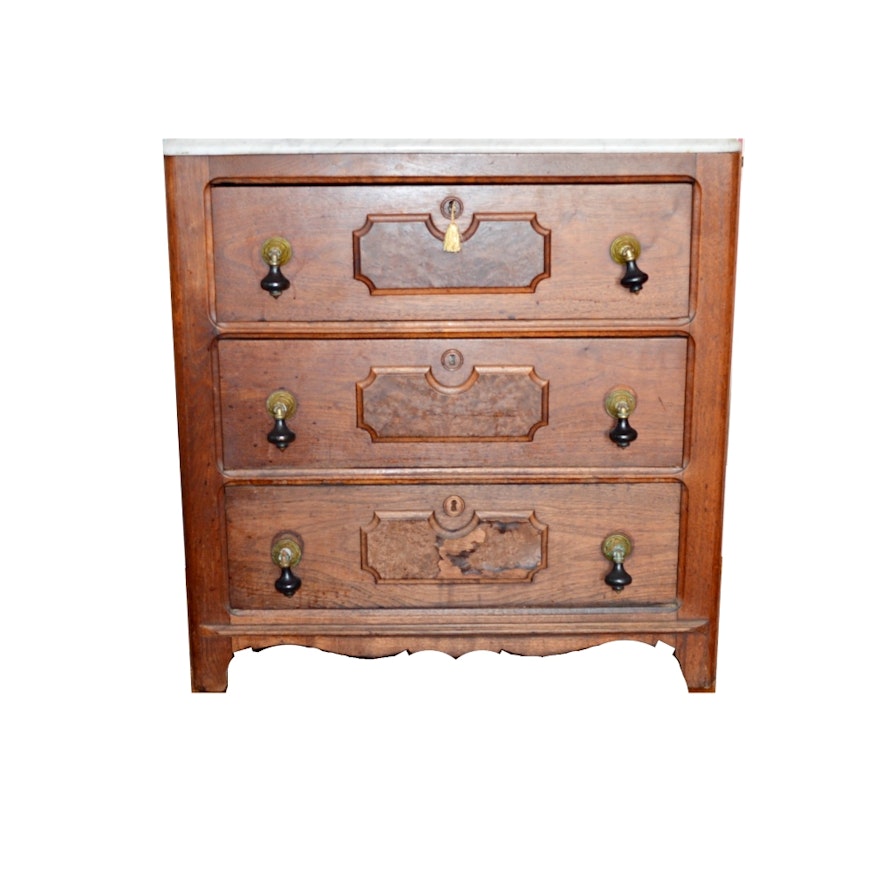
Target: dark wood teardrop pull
{"x": 619, "y": 404}
{"x": 275, "y": 253}
{"x": 625, "y": 249}
{"x": 287, "y": 551}
{"x": 281, "y": 405}
{"x": 288, "y": 583}
{"x": 616, "y": 548}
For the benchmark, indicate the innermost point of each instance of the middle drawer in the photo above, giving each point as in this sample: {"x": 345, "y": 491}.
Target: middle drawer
{"x": 379, "y": 403}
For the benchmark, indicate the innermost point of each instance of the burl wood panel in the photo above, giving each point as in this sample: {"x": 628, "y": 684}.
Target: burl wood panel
{"x": 413, "y": 546}
{"x": 320, "y": 221}
{"x": 494, "y": 403}
{"x": 577, "y": 373}
{"x": 500, "y": 254}
{"x": 332, "y": 520}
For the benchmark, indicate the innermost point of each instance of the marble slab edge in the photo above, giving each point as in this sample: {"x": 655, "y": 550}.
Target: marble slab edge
{"x": 246, "y": 146}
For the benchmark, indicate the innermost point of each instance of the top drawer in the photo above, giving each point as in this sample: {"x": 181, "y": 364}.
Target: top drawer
{"x": 375, "y": 252}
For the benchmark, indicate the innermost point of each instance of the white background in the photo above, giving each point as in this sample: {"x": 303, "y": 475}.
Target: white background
{"x": 596, "y": 764}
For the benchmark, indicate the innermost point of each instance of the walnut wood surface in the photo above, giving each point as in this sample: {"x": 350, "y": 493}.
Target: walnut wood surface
{"x": 337, "y": 574}
{"x": 399, "y": 254}
{"x": 578, "y": 329}
{"x": 320, "y": 223}
{"x": 506, "y": 403}
{"x": 323, "y": 375}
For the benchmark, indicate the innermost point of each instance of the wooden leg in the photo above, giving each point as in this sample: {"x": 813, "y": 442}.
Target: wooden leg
{"x": 209, "y": 661}
{"x": 695, "y": 653}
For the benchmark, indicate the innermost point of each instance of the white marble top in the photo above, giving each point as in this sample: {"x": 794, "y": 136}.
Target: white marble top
{"x": 247, "y": 146}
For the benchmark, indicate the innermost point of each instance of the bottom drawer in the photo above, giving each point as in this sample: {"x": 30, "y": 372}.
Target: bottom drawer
{"x": 465, "y": 546}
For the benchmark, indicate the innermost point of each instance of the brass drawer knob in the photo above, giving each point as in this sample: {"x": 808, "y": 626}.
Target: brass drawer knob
{"x": 281, "y": 405}
{"x": 616, "y": 548}
{"x": 619, "y": 404}
{"x": 275, "y": 253}
{"x": 287, "y": 551}
{"x": 625, "y": 249}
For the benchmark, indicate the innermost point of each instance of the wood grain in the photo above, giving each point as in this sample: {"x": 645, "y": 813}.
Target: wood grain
{"x": 320, "y": 223}
{"x": 503, "y": 253}
{"x": 324, "y": 376}
{"x": 336, "y": 574}
{"x": 574, "y": 328}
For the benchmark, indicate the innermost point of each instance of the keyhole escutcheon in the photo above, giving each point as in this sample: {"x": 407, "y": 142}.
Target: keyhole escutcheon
{"x": 451, "y": 359}
{"x": 453, "y": 505}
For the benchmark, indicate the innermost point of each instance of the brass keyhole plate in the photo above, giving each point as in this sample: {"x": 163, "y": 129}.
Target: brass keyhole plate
{"x": 453, "y": 505}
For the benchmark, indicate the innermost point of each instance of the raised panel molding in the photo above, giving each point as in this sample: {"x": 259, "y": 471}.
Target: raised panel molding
{"x": 413, "y": 547}
{"x": 493, "y": 404}
{"x": 403, "y": 254}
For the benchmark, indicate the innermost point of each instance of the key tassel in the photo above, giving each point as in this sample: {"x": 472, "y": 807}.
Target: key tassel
{"x": 452, "y": 239}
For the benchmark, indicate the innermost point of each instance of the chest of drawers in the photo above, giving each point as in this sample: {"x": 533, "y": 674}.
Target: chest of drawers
{"x": 452, "y": 396}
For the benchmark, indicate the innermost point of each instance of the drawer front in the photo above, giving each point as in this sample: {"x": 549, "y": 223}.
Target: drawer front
{"x": 376, "y": 253}
{"x": 452, "y": 402}
{"x": 462, "y": 546}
